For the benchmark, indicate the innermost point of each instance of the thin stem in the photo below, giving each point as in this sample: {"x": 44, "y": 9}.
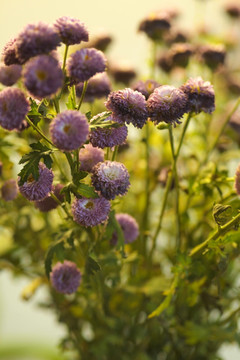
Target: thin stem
{"x": 77, "y": 159}
{"x": 59, "y": 167}
{"x": 65, "y": 58}
{"x": 83, "y": 94}
{"x": 56, "y": 105}
{"x": 115, "y": 153}
{"x": 183, "y": 134}
{"x": 145, "y": 220}
{"x": 62, "y": 206}
{"x": 74, "y": 96}
{"x": 70, "y": 160}
{"x": 35, "y": 127}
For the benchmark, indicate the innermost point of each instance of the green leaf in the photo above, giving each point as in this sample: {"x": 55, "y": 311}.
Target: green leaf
{"x": 66, "y": 191}
{"x": 87, "y": 191}
{"x": 79, "y": 176}
{"x": 88, "y": 115}
{"x": 92, "y": 266}
{"x": 70, "y": 103}
{"x": 55, "y": 249}
{"x": 222, "y": 213}
{"x": 34, "y": 115}
{"x": 98, "y": 119}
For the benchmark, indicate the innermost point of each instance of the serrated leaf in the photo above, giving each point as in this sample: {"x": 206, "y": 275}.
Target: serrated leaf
{"x": 34, "y": 115}
{"x": 92, "y": 266}
{"x": 222, "y": 213}
{"x": 87, "y": 191}
{"x": 79, "y": 176}
{"x": 55, "y": 249}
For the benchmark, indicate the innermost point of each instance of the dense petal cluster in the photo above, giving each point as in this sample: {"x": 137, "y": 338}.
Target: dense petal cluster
{"x": 9, "y": 55}
{"x": 65, "y": 277}
{"x": 85, "y": 63}
{"x": 49, "y": 203}
{"x": 108, "y": 137}
{"x": 36, "y": 39}
{"x": 35, "y": 190}
{"x": 13, "y": 108}
{"x": 9, "y": 75}
{"x": 98, "y": 86}
{"x": 167, "y": 103}
{"x": 71, "y": 31}
{"x": 201, "y": 96}
{"x": 128, "y": 106}
{"x": 90, "y": 212}
{"x": 146, "y": 87}
{"x": 69, "y": 130}
{"x": 111, "y": 178}
{"x": 9, "y": 190}
{"x": 129, "y": 227}
{"x": 237, "y": 180}
{"x": 89, "y": 156}
{"x": 43, "y": 76}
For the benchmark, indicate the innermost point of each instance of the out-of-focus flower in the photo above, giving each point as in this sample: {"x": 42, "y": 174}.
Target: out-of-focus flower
{"x": 123, "y": 73}
{"x": 9, "y": 75}
{"x": 145, "y": 87}
{"x": 9, "y": 56}
{"x": 129, "y": 227}
{"x": 164, "y": 61}
{"x": 233, "y": 10}
{"x": 176, "y": 36}
{"x": 101, "y": 42}
{"x": 155, "y": 25}
{"x": 180, "y": 54}
{"x": 212, "y": 55}
{"x": 98, "y": 86}
{"x": 71, "y": 31}
{"x": 9, "y": 190}
{"x": 49, "y": 203}
{"x": 65, "y": 277}
{"x": 89, "y": 156}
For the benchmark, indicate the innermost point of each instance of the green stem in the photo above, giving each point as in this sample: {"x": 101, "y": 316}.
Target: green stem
{"x": 35, "y": 127}
{"x": 59, "y": 167}
{"x": 62, "y": 206}
{"x": 115, "y": 153}
{"x": 145, "y": 220}
{"x": 56, "y": 105}
{"x": 74, "y": 96}
{"x": 70, "y": 160}
{"x": 77, "y": 159}
{"x": 65, "y": 58}
{"x": 183, "y": 134}
{"x": 82, "y": 95}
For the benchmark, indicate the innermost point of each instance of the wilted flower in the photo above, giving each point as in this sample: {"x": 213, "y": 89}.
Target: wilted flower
{"x": 128, "y": 106}
{"x": 85, "y": 63}
{"x": 9, "y": 55}
{"x": 9, "y": 190}
{"x": 155, "y": 25}
{"x": 69, "y": 130}
{"x": 98, "y": 86}
{"x": 49, "y": 203}
{"x": 13, "y": 108}
{"x": 111, "y": 178}
{"x": 146, "y": 87}
{"x": 71, "y": 31}
{"x": 129, "y": 227}
{"x": 89, "y": 156}
{"x": 35, "y": 190}
{"x": 9, "y": 75}
{"x": 90, "y": 212}
{"x": 43, "y": 76}
{"x": 65, "y": 277}
{"x": 167, "y": 103}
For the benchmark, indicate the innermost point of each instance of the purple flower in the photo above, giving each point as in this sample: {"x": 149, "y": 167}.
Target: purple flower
{"x": 9, "y": 75}
{"x": 111, "y": 178}
{"x": 43, "y": 76}
{"x": 129, "y": 227}
{"x": 237, "y": 180}
{"x": 213, "y": 55}
{"x": 201, "y": 96}
{"x": 49, "y": 203}
{"x": 128, "y": 106}
{"x": 9, "y": 190}
{"x": 69, "y": 130}
{"x": 35, "y": 190}
{"x": 179, "y": 54}
{"x": 146, "y": 87}
{"x": 9, "y": 55}
{"x": 89, "y": 156}
{"x": 90, "y": 212}
{"x": 36, "y": 39}
{"x": 71, "y": 31}
{"x": 13, "y": 108}
{"x": 123, "y": 74}
{"x": 155, "y": 25}
{"x": 85, "y": 63}
{"x": 65, "y": 277}
{"x": 98, "y": 86}
{"x": 108, "y": 137}
{"x": 167, "y": 104}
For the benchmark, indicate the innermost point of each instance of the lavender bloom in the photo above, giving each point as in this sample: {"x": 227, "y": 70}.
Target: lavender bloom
{"x": 89, "y": 156}
{"x": 85, "y": 63}
{"x": 65, "y": 277}
{"x": 9, "y": 55}
{"x": 129, "y": 227}
{"x": 90, "y": 212}
{"x": 155, "y": 25}
{"x": 98, "y": 86}
{"x": 49, "y": 203}
{"x": 69, "y": 130}
{"x": 35, "y": 190}
{"x": 36, "y": 39}
{"x": 167, "y": 104}
{"x": 9, "y": 190}
{"x": 201, "y": 96}
{"x": 43, "y": 76}
{"x": 111, "y": 178}
{"x": 128, "y": 106}
{"x": 71, "y": 31}
{"x": 9, "y": 75}
{"x": 13, "y": 108}
{"x": 237, "y": 180}
{"x": 145, "y": 87}
{"x": 108, "y": 137}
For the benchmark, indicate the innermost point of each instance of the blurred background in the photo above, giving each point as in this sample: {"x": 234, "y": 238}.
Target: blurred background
{"x": 25, "y": 329}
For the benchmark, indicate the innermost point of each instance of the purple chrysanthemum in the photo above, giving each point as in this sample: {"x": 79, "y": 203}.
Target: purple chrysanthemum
{"x": 71, "y": 31}
{"x": 237, "y": 180}
{"x": 65, "y": 277}
{"x": 69, "y": 130}
{"x": 89, "y": 156}
{"x": 167, "y": 103}
{"x": 43, "y": 76}
{"x": 129, "y": 227}
{"x": 111, "y": 178}
{"x": 90, "y": 212}
{"x": 9, "y": 55}
{"x": 9, "y": 75}
{"x": 146, "y": 87}
{"x": 35, "y": 190}
{"x": 201, "y": 96}
{"x": 49, "y": 203}
{"x": 13, "y": 108}
{"x": 36, "y": 39}
{"x": 108, "y": 137}
{"x": 128, "y": 106}
{"x": 98, "y": 86}
{"x": 85, "y": 63}
{"x": 9, "y": 190}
